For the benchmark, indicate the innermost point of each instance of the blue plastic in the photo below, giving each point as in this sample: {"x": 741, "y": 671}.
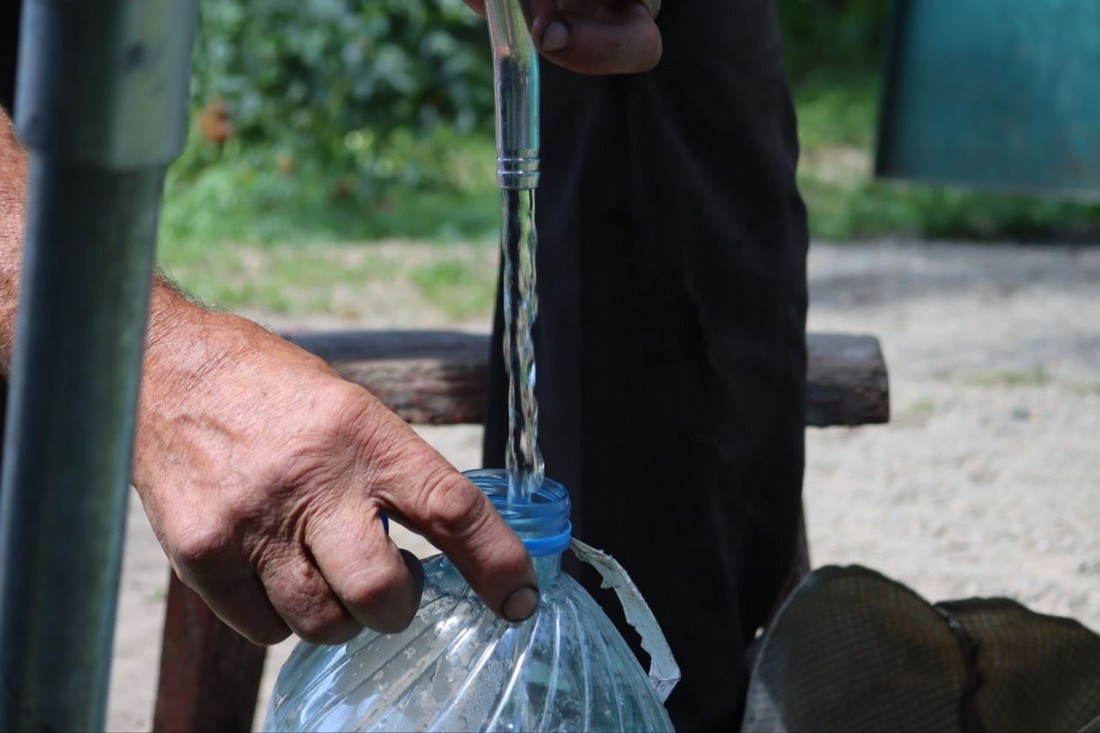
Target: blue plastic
{"x": 542, "y": 522}
{"x": 993, "y": 93}
{"x": 460, "y": 667}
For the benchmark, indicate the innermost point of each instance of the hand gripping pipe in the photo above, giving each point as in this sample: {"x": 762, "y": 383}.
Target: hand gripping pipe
{"x": 102, "y": 105}
{"x": 516, "y": 92}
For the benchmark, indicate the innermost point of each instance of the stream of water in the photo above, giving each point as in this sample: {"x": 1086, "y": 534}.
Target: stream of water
{"x": 518, "y": 240}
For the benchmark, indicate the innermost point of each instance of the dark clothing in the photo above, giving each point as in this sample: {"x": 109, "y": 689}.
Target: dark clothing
{"x": 671, "y": 335}
{"x": 9, "y": 36}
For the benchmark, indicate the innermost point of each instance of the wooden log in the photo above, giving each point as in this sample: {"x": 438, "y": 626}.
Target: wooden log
{"x": 440, "y": 377}
{"x": 846, "y": 381}
{"x": 209, "y": 674}
{"x": 426, "y": 377}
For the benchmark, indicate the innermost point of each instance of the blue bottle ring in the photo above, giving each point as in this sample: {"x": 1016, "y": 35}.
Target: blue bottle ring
{"x": 543, "y": 546}
{"x": 541, "y": 521}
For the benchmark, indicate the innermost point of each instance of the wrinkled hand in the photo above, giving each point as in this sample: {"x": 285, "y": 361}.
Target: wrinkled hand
{"x": 265, "y": 475}
{"x": 594, "y": 36}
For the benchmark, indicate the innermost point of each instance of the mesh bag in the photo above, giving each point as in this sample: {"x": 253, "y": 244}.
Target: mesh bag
{"x": 852, "y": 650}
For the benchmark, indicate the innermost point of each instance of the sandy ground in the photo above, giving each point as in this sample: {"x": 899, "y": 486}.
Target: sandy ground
{"x": 986, "y": 481}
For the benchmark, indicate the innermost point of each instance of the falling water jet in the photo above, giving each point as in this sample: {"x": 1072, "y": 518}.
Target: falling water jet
{"x": 516, "y": 92}
{"x": 518, "y": 240}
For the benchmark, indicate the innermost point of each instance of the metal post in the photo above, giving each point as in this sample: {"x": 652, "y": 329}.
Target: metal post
{"x": 102, "y": 104}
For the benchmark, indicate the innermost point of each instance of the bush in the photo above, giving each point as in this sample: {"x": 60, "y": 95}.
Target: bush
{"x": 340, "y": 85}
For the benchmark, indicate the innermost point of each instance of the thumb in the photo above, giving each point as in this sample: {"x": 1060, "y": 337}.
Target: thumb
{"x": 623, "y": 39}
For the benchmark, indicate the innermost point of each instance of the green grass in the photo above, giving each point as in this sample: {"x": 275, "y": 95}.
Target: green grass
{"x": 266, "y": 195}
{"x": 458, "y": 286}
{"x": 257, "y": 229}
{"x": 1032, "y": 376}
{"x": 454, "y": 281}
{"x": 244, "y": 228}
{"x": 922, "y": 407}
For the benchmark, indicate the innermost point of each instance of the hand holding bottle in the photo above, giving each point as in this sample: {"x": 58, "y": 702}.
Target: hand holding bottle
{"x": 265, "y": 477}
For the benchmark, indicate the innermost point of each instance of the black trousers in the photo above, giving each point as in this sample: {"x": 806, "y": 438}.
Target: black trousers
{"x": 671, "y": 335}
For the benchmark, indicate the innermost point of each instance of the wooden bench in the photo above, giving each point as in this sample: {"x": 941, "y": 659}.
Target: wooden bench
{"x": 210, "y": 675}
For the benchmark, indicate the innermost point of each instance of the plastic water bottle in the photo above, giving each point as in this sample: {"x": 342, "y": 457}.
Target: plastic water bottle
{"x": 459, "y": 667}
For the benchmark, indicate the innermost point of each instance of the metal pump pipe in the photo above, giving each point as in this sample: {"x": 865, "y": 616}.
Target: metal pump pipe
{"x": 516, "y": 93}
{"x": 102, "y": 105}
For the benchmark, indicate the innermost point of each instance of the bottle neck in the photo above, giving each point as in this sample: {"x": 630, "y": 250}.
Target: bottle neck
{"x": 541, "y": 520}
{"x": 548, "y": 568}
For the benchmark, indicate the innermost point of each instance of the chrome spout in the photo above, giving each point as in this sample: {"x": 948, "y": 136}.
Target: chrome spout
{"x": 516, "y": 94}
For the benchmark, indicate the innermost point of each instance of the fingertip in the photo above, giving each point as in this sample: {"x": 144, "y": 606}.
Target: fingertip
{"x": 554, "y": 36}
{"x": 520, "y": 605}
{"x": 511, "y": 588}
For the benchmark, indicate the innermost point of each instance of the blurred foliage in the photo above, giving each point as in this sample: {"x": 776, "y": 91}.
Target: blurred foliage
{"x": 340, "y": 78}
{"x": 303, "y": 105}
{"x": 838, "y": 35}
{"x": 253, "y": 195}
{"x": 342, "y": 120}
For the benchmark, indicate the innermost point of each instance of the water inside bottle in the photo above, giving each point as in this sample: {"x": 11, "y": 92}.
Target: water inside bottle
{"x": 518, "y": 238}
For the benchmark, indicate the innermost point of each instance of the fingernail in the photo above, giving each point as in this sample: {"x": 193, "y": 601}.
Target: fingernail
{"x": 521, "y": 604}
{"x": 555, "y": 37}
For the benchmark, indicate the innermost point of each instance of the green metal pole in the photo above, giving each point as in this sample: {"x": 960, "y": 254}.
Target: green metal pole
{"x": 102, "y": 105}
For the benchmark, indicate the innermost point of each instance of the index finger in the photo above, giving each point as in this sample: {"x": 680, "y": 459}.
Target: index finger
{"x": 457, "y": 517}
{"x": 417, "y": 486}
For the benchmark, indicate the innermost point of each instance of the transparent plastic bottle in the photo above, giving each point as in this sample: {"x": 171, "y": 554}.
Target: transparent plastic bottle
{"x": 459, "y": 667}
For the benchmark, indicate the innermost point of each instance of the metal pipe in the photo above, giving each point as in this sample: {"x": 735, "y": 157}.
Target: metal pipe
{"x": 516, "y": 92}
{"x": 102, "y": 105}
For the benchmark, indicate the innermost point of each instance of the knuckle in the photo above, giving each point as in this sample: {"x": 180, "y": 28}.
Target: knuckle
{"x": 347, "y": 408}
{"x": 451, "y": 506}
{"x": 205, "y": 548}
{"x": 510, "y": 558}
{"x": 377, "y": 588}
{"x": 346, "y": 420}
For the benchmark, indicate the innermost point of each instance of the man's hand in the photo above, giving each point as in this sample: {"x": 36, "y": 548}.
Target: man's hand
{"x": 265, "y": 477}
{"x": 594, "y": 36}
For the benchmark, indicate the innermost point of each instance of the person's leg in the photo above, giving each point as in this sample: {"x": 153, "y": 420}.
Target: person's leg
{"x": 671, "y": 343}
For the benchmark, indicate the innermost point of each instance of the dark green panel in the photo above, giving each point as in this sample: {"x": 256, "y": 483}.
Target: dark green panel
{"x": 996, "y": 93}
